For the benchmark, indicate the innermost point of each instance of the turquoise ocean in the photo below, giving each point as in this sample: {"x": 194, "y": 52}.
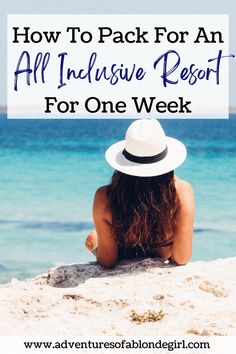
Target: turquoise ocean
{"x": 50, "y": 169}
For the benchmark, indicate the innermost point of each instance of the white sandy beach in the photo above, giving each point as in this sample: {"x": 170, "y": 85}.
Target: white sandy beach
{"x": 196, "y": 299}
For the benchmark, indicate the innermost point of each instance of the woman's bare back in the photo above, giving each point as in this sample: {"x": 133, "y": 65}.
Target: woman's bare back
{"x": 105, "y": 247}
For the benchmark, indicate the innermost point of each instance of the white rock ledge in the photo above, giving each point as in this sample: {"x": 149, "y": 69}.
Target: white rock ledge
{"x": 84, "y": 299}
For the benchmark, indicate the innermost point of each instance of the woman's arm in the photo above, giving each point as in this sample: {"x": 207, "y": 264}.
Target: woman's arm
{"x": 102, "y": 242}
{"x": 181, "y": 250}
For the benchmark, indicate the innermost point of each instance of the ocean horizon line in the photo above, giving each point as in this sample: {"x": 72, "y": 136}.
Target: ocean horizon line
{"x": 72, "y": 226}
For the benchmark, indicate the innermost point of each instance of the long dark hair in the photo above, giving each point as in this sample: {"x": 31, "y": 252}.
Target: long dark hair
{"x": 144, "y": 209}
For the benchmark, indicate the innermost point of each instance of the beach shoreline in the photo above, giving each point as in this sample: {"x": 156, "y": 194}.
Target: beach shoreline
{"x": 142, "y": 297}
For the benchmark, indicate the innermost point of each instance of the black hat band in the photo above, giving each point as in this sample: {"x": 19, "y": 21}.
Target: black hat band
{"x": 145, "y": 159}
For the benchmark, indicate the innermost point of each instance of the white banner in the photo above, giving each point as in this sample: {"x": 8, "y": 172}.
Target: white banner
{"x": 118, "y": 66}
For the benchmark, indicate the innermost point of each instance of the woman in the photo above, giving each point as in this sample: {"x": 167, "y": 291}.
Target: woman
{"x": 145, "y": 211}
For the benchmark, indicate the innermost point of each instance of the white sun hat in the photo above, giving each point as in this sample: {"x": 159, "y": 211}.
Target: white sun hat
{"x": 146, "y": 150}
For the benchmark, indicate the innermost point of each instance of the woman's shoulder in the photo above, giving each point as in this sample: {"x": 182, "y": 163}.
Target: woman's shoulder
{"x": 182, "y": 185}
{"x": 185, "y": 191}
{"x": 100, "y": 204}
{"x": 101, "y": 193}
{"x": 101, "y": 199}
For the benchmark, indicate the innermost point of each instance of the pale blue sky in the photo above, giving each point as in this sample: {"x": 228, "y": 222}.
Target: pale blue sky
{"x": 118, "y": 6}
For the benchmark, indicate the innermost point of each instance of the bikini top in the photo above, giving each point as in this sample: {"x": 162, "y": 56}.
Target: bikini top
{"x": 139, "y": 251}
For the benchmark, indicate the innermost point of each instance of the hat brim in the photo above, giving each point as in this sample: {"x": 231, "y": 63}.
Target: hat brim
{"x": 175, "y": 157}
